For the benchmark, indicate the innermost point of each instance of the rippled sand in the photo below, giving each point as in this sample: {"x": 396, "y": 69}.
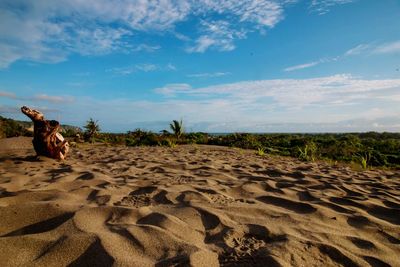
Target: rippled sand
{"x": 199, "y": 205}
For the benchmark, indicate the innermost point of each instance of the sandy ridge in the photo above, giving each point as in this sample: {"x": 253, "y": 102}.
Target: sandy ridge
{"x": 199, "y": 205}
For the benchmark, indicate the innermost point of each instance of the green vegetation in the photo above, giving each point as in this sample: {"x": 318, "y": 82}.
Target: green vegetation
{"x": 261, "y": 151}
{"x": 142, "y": 138}
{"x": 308, "y": 152}
{"x": 365, "y": 150}
{"x": 92, "y": 129}
{"x": 177, "y": 128}
{"x": 13, "y": 128}
{"x": 364, "y": 159}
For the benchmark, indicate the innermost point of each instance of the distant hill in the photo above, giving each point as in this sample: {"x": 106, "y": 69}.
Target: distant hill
{"x": 12, "y": 128}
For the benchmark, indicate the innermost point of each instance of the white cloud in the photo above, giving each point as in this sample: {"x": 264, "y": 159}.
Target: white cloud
{"x": 143, "y": 67}
{"x": 312, "y": 64}
{"x": 49, "y": 31}
{"x": 261, "y": 105}
{"x": 359, "y": 49}
{"x": 261, "y": 12}
{"x": 52, "y": 99}
{"x": 7, "y": 95}
{"x": 324, "y": 6}
{"x": 172, "y": 89}
{"x": 146, "y": 67}
{"x": 208, "y": 75}
{"x": 146, "y": 48}
{"x": 242, "y": 17}
{"x": 387, "y": 48}
{"x": 375, "y": 49}
{"x": 95, "y": 41}
{"x": 38, "y": 97}
{"x": 254, "y": 105}
{"x": 170, "y": 66}
{"x": 202, "y": 44}
{"x": 302, "y": 66}
{"x": 217, "y": 34}
{"x": 291, "y": 93}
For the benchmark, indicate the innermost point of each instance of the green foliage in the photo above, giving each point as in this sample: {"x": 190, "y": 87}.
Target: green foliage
{"x": 177, "y": 128}
{"x": 261, "y": 151}
{"x": 92, "y": 129}
{"x": 308, "y": 152}
{"x": 364, "y": 149}
{"x": 110, "y": 138}
{"x": 142, "y": 138}
{"x": 171, "y": 143}
{"x": 196, "y": 138}
{"x": 13, "y": 128}
{"x": 383, "y": 148}
{"x": 2, "y": 133}
{"x": 364, "y": 159}
{"x": 364, "y": 162}
{"x": 242, "y": 140}
{"x": 69, "y": 131}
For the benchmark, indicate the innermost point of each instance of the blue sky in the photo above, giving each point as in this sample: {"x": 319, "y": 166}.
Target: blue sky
{"x": 221, "y": 66}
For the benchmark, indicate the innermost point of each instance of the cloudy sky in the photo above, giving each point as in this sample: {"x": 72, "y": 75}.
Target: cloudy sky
{"x": 220, "y": 65}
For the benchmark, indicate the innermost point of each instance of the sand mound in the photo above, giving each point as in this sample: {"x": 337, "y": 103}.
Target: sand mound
{"x": 15, "y": 143}
{"x": 198, "y": 205}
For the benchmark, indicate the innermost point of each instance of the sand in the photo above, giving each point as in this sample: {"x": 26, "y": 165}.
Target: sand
{"x": 192, "y": 205}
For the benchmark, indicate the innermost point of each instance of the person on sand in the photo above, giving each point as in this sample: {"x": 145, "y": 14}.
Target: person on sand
{"x": 47, "y": 141}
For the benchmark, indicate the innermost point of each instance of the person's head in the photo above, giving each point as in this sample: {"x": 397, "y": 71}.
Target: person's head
{"x": 32, "y": 114}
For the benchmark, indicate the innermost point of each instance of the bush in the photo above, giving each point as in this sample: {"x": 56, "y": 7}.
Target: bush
{"x": 308, "y": 152}
{"x": 142, "y": 138}
{"x": 92, "y": 129}
{"x": 196, "y": 138}
{"x": 261, "y": 151}
{"x": 12, "y": 128}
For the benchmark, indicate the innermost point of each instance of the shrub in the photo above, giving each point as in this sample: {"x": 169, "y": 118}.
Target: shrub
{"x": 196, "y": 138}
{"x": 92, "y": 129}
{"x": 177, "y": 128}
{"x": 142, "y": 138}
{"x": 261, "y": 151}
{"x": 363, "y": 159}
{"x": 168, "y": 143}
{"x": 309, "y": 152}
{"x": 12, "y": 128}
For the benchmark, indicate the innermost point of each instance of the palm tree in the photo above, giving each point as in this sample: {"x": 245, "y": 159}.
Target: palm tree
{"x": 177, "y": 128}
{"x": 92, "y": 129}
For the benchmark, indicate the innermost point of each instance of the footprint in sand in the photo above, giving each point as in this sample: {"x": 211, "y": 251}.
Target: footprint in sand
{"x": 220, "y": 199}
{"x": 182, "y": 179}
{"x": 249, "y": 247}
{"x": 226, "y": 200}
{"x": 144, "y": 196}
{"x": 136, "y": 201}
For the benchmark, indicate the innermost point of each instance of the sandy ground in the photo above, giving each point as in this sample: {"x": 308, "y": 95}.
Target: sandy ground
{"x": 198, "y": 205}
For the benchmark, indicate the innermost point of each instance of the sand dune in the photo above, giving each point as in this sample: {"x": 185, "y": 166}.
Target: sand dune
{"x": 198, "y": 205}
